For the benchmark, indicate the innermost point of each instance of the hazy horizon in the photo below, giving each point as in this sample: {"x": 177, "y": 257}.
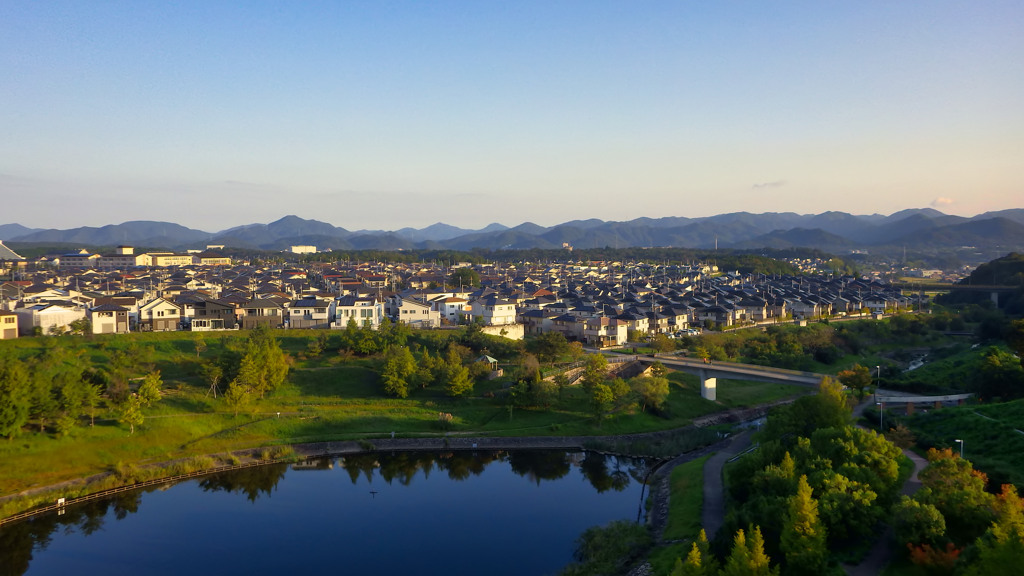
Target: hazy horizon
{"x": 470, "y": 228}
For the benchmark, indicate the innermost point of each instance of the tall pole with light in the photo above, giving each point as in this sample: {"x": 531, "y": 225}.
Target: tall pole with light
{"x": 878, "y": 377}
{"x": 961, "y": 443}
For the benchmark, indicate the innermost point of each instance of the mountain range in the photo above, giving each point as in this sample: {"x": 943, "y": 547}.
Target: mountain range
{"x": 838, "y": 232}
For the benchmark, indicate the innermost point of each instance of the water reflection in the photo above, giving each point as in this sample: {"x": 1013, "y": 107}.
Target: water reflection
{"x": 21, "y": 541}
{"x": 249, "y": 481}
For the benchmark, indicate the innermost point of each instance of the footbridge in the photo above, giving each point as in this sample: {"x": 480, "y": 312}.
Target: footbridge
{"x": 709, "y": 373}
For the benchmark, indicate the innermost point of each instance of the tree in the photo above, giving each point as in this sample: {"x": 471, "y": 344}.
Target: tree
{"x": 1001, "y": 549}
{"x": 658, "y": 369}
{"x": 237, "y": 396}
{"x": 130, "y": 413}
{"x": 200, "y": 344}
{"x": 601, "y": 400}
{"x": 652, "y": 391}
{"x": 700, "y": 561}
{"x": 662, "y": 343}
{"x": 914, "y": 522}
{"x": 857, "y": 378}
{"x": 464, "y": 277}
{"x": 576, "y": 351}
{"x": 80, "y": 327}
{"x": 826, "y": 409}
{"x": 264, "y": 366}
{"x": 803, "y": 538}
{"x": 957, "y": 490}
{"x": 458, "y": 381}
{"x": 15, "y": 394}
{"x": 561, "y": 383}
{"x": 399, "y": 366}
{"x": 149, "y": 390}
{"x": 549, "y": 346}
{"x": 747, "y": 557}
{"x": 595, "y": 371}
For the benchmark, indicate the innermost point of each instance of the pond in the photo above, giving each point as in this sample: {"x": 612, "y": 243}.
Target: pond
{"x": 495, "y": 512}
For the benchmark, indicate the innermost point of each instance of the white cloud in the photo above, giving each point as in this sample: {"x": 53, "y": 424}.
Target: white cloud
{"x": 939, "y": 202}
{"x": 775, "y": 184}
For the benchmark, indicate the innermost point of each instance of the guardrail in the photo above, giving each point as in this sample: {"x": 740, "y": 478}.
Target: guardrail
{"x": 64, "y": 503}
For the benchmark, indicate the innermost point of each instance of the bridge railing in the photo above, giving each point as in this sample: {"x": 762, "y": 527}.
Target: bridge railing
{"x": 757, "y": 367}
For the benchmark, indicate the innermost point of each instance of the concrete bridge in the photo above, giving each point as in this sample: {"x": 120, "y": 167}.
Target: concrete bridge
{"x": 710, "y": 373}
{"x": 884, "y": 397}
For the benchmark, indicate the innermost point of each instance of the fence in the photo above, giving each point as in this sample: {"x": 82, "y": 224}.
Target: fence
{"x": 64, "y": 503}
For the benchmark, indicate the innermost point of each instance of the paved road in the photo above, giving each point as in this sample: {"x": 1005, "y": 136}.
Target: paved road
{"x": 713, "y": 513}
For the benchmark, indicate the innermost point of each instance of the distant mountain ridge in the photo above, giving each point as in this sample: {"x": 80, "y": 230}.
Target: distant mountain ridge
{"x": 832, "y": 231}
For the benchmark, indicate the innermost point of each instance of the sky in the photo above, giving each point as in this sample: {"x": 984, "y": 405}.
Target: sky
{"x": 382, "y": 115}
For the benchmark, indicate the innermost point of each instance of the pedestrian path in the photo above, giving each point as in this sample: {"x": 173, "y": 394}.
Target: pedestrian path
{"x": 713, "y": 512}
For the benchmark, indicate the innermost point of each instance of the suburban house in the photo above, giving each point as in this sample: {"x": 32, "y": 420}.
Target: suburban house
{"x": 47, "y": 317}
{"x": 309, "y": 313}
{"x": 492, "y": 311}
{"x": 109, "y": 319}
{"x": 414, "y": 313}
{"x": 159, "y": 315}
{"x": 364, "y": 310}
{"x": 8, "y": 325}
{"x": 450, "y": 308}
{"x": 264, "y": 311}
{"x": 213, "y": 314}
{"x": 604, "y": 332}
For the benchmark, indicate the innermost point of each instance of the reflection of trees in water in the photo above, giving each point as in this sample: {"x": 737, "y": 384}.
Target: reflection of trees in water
{"x": 357, "y": 464}
{"x": 595, "y": 468}
{"x": 20, "y": 539}
{"x": 539, "y": 465}
{"x": 250, "y": 481}
{"x": 403, "y": 466}
{"x": 603, "y": 472}
{"x": 462, "y": 465}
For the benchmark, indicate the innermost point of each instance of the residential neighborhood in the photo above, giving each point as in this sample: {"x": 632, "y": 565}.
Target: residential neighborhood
{"x": 601, "y": 304}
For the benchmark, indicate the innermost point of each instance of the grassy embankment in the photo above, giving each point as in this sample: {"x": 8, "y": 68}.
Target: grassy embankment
{"x": 328, "y": 397}
{"x": 684, "y": 514}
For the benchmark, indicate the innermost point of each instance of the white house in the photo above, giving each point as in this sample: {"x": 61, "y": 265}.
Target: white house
{"x": 492, "y": 311}
{"x": 365, "y": 310}
{"x": 46, "y": 317}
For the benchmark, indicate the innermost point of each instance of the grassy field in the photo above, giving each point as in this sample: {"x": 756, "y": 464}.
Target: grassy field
{"x": 325, "y": 398}
{"x": 993, "y": 436}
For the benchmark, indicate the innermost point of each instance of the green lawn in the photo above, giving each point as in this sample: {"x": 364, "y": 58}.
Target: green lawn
{"x": 687, "y": 499}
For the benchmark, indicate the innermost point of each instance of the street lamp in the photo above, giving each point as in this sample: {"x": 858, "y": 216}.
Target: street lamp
{"x": 881, "y": 413}
{"x": 961, "y": 442}
{"x": 878, "y": 377}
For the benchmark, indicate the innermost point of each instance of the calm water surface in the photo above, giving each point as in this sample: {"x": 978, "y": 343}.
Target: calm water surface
{"x": 496, "y": 513}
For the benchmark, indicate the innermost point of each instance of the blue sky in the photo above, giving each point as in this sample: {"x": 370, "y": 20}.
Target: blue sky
{"x": 391, "y": 114}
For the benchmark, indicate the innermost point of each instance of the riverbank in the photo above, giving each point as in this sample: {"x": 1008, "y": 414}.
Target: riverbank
{"x": 41, "y": 499}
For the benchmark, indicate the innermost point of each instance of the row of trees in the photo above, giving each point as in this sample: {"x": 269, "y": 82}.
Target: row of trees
{"x": 60, "y": 386}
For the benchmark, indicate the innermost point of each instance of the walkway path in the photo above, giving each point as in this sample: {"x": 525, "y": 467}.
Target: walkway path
{"x": 882, "y": 553}
{"x": 713, "y": 512}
